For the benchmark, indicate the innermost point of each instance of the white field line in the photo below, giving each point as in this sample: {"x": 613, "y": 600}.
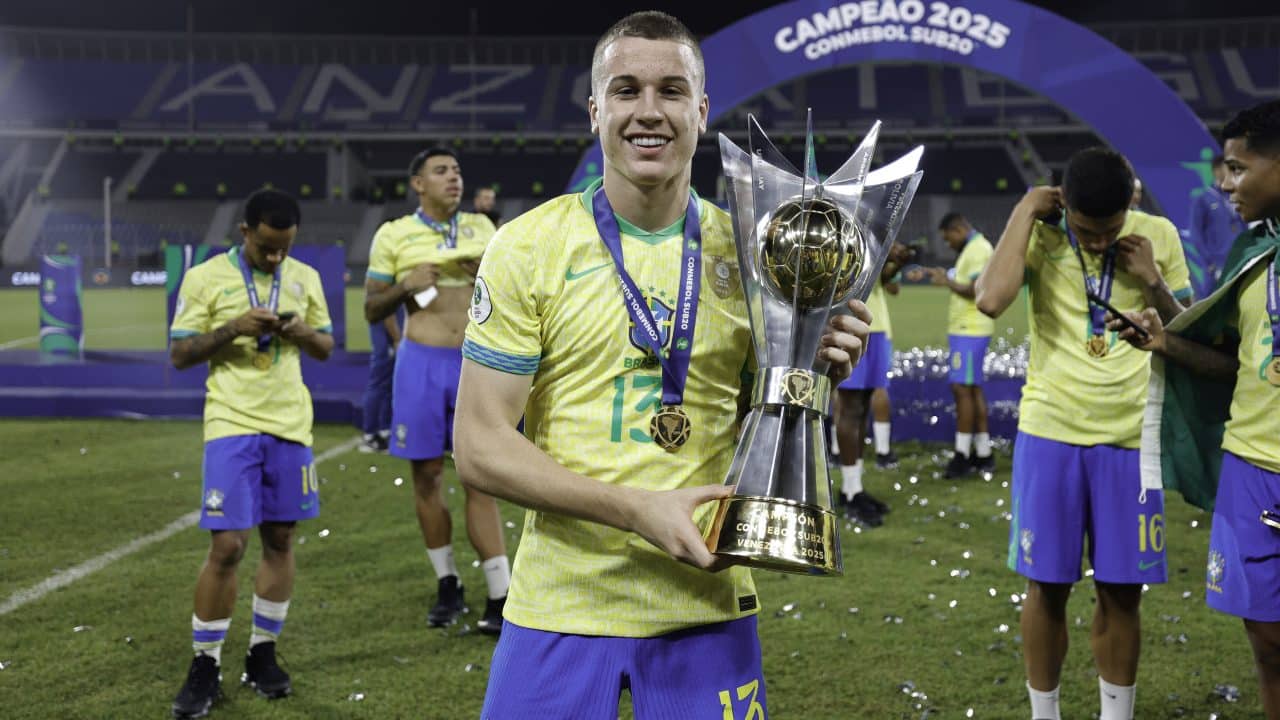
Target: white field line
{"x": 63, "y": 578}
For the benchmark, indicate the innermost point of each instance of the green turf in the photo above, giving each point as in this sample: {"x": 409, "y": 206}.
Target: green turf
{"x": 133, "y": 318}
{"x": 356, "y": 626}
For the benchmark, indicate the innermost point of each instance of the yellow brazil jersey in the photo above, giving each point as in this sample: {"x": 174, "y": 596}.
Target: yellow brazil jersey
{"x": 963, "y": 317}
{"x": 403, "y": 244}
{"x": 1255, "y": 405}
{"x": 240, "y": 399}
{"x": 1070, "y": 396}
{"x": 878, "y": 304}
{"x": 548, "y": 304}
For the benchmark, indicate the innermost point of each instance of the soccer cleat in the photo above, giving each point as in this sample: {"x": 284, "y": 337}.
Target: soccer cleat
{"x": 874, "y": 501}
{"x": 262, "y": 673}
{"x": 449, "y": 602}
{"x": 886, "y": 461}
{"x": 863, "y": 510}
{"x": 491, "y": 623}
{"x": 959, "y": 466}
{"x": 373, "y": 444}
{"x": 984, "y": 464}
{"x": 202, "y": 689}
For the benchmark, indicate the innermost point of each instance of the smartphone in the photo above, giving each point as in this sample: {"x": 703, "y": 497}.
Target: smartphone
{"x": 1271, "y": 519}
{"x": 287, "y": 316}
{"x": 1142, "y": 332}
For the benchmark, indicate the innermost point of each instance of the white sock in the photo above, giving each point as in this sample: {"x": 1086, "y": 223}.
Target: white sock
{"x": 963, "y": 441}
{"x": 851, "y": 479}
{"x": 882, "y": 433}
{"x": 1044, "y": 705}
{"x": 442, "y": 561}
{"x": 1117, "y": 700}
{"x": 982, "y": 444}
{"x": 497, "y": 573}
{"x": 207, "y": 637}
{"x": 268, "y": 620}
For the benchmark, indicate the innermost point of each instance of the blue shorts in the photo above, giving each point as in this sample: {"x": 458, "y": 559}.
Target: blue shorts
{"x": 872, "y": 371}
{"x": 1243, "y": 573}
{"x": 423, "y": 396}
{"x": 251, "y": 479}
{"x": 377, "y": 391}
{"x": 1062, "y": 493}
{"x": 967, "y": 355}
{"x": 684, "y": 675}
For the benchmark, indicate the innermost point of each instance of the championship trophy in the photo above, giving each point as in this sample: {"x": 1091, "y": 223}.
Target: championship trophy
{"x": 805, "y": 247}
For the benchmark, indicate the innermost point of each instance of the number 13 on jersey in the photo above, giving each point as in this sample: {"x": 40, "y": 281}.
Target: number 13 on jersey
{"x": 642, "y": 394}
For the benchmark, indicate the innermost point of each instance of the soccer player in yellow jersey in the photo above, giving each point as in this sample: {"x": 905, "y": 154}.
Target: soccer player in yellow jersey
{"x": 1233, "y": 345}
{"x": 968, "y": 334}
{"x": 250, "y": 314}
{"x": 427, "y": 261}
{"x": 1075, "y": 460}
{"x": 613, "y": 585}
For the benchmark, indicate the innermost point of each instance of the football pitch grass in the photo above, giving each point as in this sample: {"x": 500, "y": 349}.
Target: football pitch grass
{"x": 926, "y": 605}
{"x": 134, "y": 319}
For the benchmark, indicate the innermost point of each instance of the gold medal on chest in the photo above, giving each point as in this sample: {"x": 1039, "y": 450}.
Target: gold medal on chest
{"x": 262, "y": 361}
{"x": 1273, "y": 371}
{"x": 670, "y": 427}
{"x": 1097, "y": 346}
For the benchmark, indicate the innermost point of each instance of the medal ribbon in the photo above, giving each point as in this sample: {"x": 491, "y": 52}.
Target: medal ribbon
{"x": 449, "y": 231}
{"x": 273, "y": 301}
{"x": 1100, "y": 286}
{"x": 675, "y": 366}
{"x": 1273, "y": 306}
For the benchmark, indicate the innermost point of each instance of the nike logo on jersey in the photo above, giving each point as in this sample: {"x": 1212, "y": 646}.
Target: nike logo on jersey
{"x": 1144, "y": 566}
{"x": 570, "y": 275}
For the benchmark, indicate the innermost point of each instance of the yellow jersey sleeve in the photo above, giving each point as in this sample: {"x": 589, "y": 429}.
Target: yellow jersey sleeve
{"x": 191, "y": 315}
{"x": 317, "y": 310}
{"x": 504, "y": 331}
{"x": 382, "y": 255}
{"x": 1167, "y": 247}
{"x": 1250, "y": 432}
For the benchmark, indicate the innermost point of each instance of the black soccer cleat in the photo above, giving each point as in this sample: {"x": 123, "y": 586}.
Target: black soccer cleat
{"x": 887, "y": 461}
{"x": 861, "y": 509}
{"x": 960, "y": 466}
{"x": 491, "y": 623}
{"x": 374, "y": 443}
{"x": 875, "y": 502}
{"x": 984, "y": 464}
{"x": 202, "y": 689}
{"x": 449, "y": 603}
{"x": 263, "y": 673}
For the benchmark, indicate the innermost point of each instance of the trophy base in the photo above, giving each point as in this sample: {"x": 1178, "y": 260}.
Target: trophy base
{"x": 776, "y": 534}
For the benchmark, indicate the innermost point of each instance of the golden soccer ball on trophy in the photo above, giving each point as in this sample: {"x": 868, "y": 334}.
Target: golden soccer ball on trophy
{"x": 811, "y": 246}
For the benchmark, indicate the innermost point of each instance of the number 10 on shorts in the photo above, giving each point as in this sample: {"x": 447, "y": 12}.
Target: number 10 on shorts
{"x": 310, "y": 482}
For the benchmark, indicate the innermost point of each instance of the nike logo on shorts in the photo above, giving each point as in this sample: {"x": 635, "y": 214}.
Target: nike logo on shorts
{"x": 1144, "y": 566}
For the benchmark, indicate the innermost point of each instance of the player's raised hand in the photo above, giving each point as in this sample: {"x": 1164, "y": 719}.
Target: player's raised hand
{"x": 258, "y": 321}
{"x": 665, "y": 518}
{"x": 1148, "y": 320}
{"x": 1042, "y": 200}
{"x": 292, "y": 328}
{"x": 845, "y": 339}
{"x": 937, "y": 275}
{"x": 1137, "y": 258}
{"x": 420, "y": 278}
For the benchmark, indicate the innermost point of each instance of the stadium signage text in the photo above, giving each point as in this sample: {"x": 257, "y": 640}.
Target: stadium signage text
{"x": 25, "y": 279}
{"x": 148, "y": 277}
{"x": 937, "y": 24}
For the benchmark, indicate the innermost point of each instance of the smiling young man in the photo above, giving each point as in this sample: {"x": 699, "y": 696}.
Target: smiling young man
{"x": 613, "y": 585}
{"x": 426, "y": 262}
{"x": 1075, "y": 460}
{"x": 1221, "y": 399}
{"x": 250, "y": 314}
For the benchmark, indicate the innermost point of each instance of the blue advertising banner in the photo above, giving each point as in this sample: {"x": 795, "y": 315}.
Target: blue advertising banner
{"x": 328, "y": 260}
{"x": 61, "y": 316}
{"x": 1106, "y": 88}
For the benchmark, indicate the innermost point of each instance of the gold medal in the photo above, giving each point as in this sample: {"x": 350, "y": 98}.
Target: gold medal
{"x": 670, "y": 427}
{"x": 1273, "y": 371}
{"x": 262, "y": 361}
{"x": 1097, "y": 346}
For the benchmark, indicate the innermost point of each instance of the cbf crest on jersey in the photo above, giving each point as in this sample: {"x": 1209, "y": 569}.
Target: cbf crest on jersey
{"x": 663, "y": 311}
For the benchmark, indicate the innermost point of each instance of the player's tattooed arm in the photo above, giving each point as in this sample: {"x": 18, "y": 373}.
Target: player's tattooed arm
{"x": 186, "y": 352}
